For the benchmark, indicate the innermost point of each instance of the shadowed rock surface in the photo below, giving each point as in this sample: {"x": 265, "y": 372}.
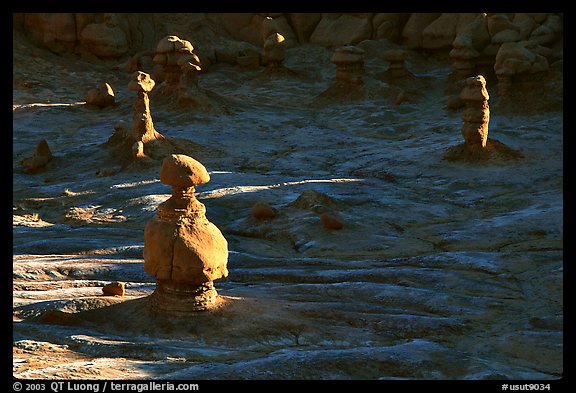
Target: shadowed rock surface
{"x": 442, "y": 269}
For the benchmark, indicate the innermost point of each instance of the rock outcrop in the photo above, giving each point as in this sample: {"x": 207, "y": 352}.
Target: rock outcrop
{"x": 38, "y": 161}
{"x": 105, "y": 40}
{"x": 476, "y": 116}
{"x": 464, "y": 56}
{"x": 335, "y": 30}
{"x": 515, "y": 58}
{"x": 171, "y": 54}
{"x": 114, "y": 289}
{"x": 349, "y": 78}
{"x": 441, "y": 32}
{"x": 263, "y": 211}
{"x": 274, "y": 52}
{"x": 397, "y": 67}
{"x": 142, "y": 124}
{"x": 178, "y": 66}
{"x": 476, "y": 113}
{"x": 351, "y": 82}
{"x": 349, "y": 61}
{"x": 398, "y": 75}
{"x": 101, "y": 97}
{"x": 182, "y": 249}
{"x": 142, "y": 144}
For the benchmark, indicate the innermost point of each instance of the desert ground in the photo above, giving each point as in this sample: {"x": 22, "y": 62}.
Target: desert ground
{"x": 442, "y": 269}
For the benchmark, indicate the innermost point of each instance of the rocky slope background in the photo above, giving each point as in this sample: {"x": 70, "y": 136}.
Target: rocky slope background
{"x": 361, "y": 244}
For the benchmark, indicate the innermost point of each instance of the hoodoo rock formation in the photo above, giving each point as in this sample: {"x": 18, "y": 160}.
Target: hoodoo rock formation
{"x": 463, "y": 56}
{"x": 102, "y": 96}
{"x": 142, "y": 144}
{"x": 398, "y": 75}
{"x": 274, "y": 52}
{"x": 182, "y": 249}
{"x": 476, "y": 116}
{"x": 350, "y": 72}
{"x": 351, "y": 80}
{"x": 171, "y": 53}
{"x": 142, "y": 125}
{"x": 397, "y": 67}
{"x": 349, "y": 61}
{"x": 38, "y": 161}
{"x": 177, "y": 67}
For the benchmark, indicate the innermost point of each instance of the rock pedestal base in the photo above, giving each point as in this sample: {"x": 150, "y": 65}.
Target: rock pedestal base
{"x": 180, "y": 299}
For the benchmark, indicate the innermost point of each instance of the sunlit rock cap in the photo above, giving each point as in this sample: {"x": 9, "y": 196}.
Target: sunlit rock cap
{"x": 181, "y": 171}
{"x": 475, "y": 89}
{"x": 273, "y": 40}
{"x": 191, "y": 61}
{"x": 172, "y": 43}
{"x": 141, "y": 81}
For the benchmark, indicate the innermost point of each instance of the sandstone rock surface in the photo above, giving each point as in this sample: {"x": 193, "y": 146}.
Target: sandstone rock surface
{"x": 104, "y": 41}
{"x": 335, "y": 30}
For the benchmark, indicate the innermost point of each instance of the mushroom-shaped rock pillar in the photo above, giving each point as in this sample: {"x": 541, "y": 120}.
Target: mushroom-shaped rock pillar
{"x": 349, "y": 61}
{"x": 395, "y": 57}
{"x": 182, "y": 249}
{"x": 142, "y": 127}
{"x": 174, "y": 58}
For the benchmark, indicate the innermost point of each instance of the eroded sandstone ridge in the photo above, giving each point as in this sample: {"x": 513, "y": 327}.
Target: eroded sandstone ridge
{"x": 182, "y": 249}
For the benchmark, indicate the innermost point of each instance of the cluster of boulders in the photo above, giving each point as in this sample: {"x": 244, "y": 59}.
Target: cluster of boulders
{"x": 513, "y": 58}
{"x": 97, "y": 35}
{"x": 109, "y": 35}
{"x": 508, "y": 44}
